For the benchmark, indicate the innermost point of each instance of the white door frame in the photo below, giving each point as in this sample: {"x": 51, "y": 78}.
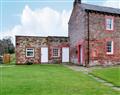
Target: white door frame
{"x": 81, "y": 55}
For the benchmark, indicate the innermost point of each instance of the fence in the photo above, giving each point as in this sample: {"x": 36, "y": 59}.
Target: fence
{"x": 6, "y": 58}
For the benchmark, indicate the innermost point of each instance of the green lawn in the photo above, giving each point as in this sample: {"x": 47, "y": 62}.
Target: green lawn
{"x": 111, "y": 74}
{"x": 49, "y": 79}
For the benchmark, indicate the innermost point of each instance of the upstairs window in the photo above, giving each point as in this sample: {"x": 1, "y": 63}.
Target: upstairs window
{"x": 109, "y": 23}
{"x": 29, "y": 52}
{"x": 56, "y": 52}
{"x": 109, "y": 46}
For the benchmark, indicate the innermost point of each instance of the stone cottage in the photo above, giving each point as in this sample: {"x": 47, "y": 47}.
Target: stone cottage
{"x": 94, "y": 33}
{"x": 38, "y": 50}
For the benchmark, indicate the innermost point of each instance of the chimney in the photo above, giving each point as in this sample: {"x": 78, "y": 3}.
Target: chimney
{"x": 77, "y": 2}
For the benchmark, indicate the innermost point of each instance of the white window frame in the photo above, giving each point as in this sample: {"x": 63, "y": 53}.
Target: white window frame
{"x": 109, "y": 22}
{"x": 58, "y": 52}
{"x": 27, "y": 50}
{"x": 112, "y": 47}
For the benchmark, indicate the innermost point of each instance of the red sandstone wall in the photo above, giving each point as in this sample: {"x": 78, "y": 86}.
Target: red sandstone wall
{"x": 23, "y": 42}
{"x": 78, "y": 32}
{"x": 99, "y": 36}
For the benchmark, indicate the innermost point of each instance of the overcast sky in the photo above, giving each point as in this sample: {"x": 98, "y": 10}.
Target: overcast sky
{"x": 40, "y": 17}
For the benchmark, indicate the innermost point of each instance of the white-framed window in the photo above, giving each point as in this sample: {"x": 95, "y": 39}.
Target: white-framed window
{"x": 56, "y": 52}
{"x": 29, "y": 52}
{"x": 109, "y": 47}
{"x": 109, "y": 23}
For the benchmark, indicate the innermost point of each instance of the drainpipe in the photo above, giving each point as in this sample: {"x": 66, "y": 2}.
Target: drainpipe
{"x": 88, "y": 39}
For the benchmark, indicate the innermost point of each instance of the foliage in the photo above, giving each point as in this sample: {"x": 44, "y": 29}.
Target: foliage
{"x": 55, "y": 61}
{"x": 1, "y": 59}
{"x": 13, "y": 59}
{"x": 6, "y": 46}
{"x": 29, "y": 63}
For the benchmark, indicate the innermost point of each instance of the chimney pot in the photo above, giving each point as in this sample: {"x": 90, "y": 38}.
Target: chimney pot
{"x": 77, "y": 2}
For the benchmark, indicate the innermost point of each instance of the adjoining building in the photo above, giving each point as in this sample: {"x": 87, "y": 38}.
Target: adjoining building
{"x": 94, "y": 33}
{"x": 38, "y": 50}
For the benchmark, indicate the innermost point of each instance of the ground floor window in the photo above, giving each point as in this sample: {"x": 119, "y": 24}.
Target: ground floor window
{"x": 109, "y": 47}
{"x": 55, "y": 52}
{"x": 29, "y": 52}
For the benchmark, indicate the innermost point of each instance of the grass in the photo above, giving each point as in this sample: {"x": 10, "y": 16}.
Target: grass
{"x": 49, "y": 79}
{"x": 111, "y": 74}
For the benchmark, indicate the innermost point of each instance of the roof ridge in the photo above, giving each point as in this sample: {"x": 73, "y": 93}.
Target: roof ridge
{"x": 100, "y": 8}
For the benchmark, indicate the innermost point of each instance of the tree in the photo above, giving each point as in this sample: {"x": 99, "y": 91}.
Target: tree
{"x": 6, "y": 46}
{"x": 1, "y": 47}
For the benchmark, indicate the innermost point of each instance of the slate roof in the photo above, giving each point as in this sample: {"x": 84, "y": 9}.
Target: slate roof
{"x": 100, "y": 8}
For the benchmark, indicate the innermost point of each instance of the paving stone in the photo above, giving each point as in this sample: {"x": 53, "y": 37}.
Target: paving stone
{"x": 87, "y": 70}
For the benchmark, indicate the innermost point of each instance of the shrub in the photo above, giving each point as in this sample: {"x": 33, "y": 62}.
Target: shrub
{"x": 55, "y": 61}
{"x": 1, "y": 59}
{"x": 29, "y": 63}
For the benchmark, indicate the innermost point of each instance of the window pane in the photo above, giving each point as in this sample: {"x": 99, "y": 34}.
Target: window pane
{"x": 109, "y": 23}
{"x": 109, "y": 46}
{"x": 55, "y": 52}
{"x": 29, "y": 52}
{"x": 109, "y": 43}
{"x": 109, "y": 49}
